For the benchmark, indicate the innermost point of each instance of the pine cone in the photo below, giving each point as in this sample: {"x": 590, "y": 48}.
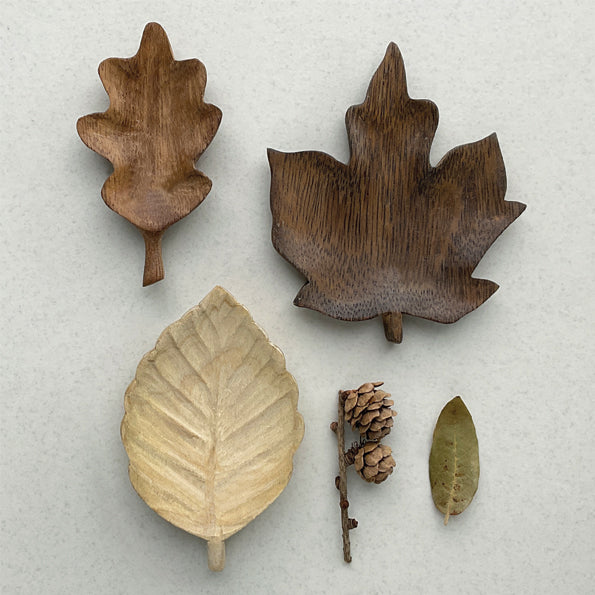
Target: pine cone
{"x": 368, "y": 410}
{"x": 374, "y": 462}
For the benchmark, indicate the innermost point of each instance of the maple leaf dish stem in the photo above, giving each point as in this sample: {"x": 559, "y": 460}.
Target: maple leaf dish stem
{"x": 393, "y": 326}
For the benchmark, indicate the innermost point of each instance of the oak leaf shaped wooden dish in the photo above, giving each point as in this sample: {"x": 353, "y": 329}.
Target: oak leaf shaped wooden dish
{"x": 387, "y": 233}
{"x": 156, "y": 128}
{"x": 211, "y": 422}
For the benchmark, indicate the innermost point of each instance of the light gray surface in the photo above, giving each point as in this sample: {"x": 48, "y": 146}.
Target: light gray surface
{"x": 76, "y": 321}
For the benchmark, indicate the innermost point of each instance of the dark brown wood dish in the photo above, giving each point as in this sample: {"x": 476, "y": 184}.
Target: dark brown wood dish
{"x": 154, "y": 131}
{"x": 388, "y": 234}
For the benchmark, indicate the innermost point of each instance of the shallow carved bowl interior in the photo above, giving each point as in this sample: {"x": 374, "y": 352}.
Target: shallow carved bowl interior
{"x": 211, "y": 421}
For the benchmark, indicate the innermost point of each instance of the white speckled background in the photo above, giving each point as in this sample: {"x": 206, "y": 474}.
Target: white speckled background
{"x": 75, "y": 320}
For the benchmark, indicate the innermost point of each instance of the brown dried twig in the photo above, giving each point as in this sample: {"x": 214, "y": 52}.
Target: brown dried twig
{"x": 346, "y": 523}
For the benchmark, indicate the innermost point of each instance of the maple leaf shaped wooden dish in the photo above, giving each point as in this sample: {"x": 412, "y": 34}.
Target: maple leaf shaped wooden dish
{"x": 387, "y": 233}
{"x": 211, "y": 423}
{"x": 154, "y": 131}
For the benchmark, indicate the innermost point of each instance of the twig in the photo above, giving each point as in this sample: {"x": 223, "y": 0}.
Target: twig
{"x": 346, "y": 523}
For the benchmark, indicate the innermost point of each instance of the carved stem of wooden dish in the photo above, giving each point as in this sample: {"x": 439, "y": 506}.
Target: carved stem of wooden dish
{"x": 393, "y": 326}
{"x": 153, "y": 260}
{"x": 216, "y": 554}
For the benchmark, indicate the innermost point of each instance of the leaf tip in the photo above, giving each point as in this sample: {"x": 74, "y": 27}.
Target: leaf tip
{"x": 388, "y": 85}
{"x": 456, "y": 403}
{"x": 303, "y": 299}
{"x": 153, "y": 28}
{"x": 154, "y": 41}
{"x": 80, "y": 125}
{"x": 483, "y": 289}
{"x": 393, "y": 50}
{"x": 218, "y": 114}
{"x": 394, "y": 57}
{"x": 218, "y": 293}
{"x": 273, "y": 156}
{"x": 516, "y": 208}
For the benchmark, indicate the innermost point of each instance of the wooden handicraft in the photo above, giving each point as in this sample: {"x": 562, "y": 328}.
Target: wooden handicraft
{"x": 211, "y": 422}
{"x": 387, "y": 233}
{"x": 156, "y": 128}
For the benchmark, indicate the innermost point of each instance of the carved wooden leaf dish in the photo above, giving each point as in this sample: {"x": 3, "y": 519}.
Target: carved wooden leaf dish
{"x": 387, "y": 233}
{"x": 155, "y": 129}
{"x": 211, "y": 422}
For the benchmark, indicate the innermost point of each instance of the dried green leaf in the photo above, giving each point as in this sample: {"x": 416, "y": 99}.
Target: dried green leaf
{"x": 454, "y": 459}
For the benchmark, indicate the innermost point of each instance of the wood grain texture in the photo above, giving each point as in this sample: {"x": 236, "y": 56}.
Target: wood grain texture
{"x": 211, "y": 422}
{"x": 388, "y": 234}
{"x": 154, "y": 131}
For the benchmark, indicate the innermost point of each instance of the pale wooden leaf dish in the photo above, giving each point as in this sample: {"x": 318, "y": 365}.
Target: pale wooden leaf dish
{"x": 211, "y": 422}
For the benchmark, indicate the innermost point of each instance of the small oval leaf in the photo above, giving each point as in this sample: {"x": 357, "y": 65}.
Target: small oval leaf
{"x": 454, "y": 459}
{"x": 211, "y": 422}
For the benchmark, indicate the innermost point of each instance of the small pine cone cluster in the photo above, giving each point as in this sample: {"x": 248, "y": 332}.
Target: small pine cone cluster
{"x": 368, "y": 410}
{"x": 374, "y": 462}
